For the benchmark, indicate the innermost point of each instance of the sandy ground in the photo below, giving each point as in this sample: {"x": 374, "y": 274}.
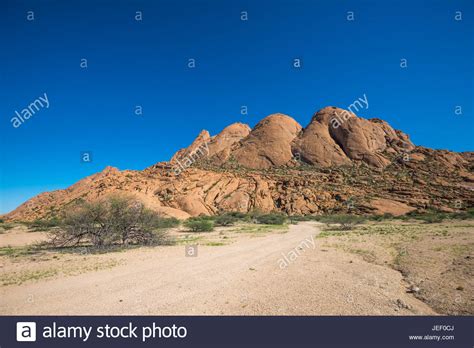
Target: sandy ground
{"x": 242, "y": 278}
{"x": 443, "y": 268}
{"x": 20, "y": 236}
{"x": 437, "y": 259}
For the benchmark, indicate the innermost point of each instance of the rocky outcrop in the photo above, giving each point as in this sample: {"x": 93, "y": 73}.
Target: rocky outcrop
{"x": 339, "y": 163}
{"x": 228, "y": 137}
{"x": 268, "y": 144}
{"x": 315, "y": 144}
{"x": 199, "y": 144}
{"x": 333, "y": 137}
{"x": 336, "y": 137}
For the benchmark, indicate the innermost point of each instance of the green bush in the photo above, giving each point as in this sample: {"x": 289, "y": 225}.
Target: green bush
{"x": 238, "y": 215}
{"x": 346, "y": 222}
{"x": 202, "y": 217}
{"x": 271, "y": 219}
{"x": 435, "y": 216}
{"x": 225, "y": 220}
{"x": 161, "y": 222}
{"x": 199, "y": 225}
{"x": 298, "y": 218}
{"x": 385, "y": 216}
{"x": 294, "y": 219}
{"x": 432, "y": 218}
{"x": 463, "y": 215}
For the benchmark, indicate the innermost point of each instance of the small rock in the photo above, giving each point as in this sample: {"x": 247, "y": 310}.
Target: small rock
{"x": 460, "y": 288}
{"x": 401, "y": 304}
{"x": 413, "y": 289}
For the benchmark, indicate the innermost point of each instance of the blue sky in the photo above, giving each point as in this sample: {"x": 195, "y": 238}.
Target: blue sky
{"x": 238, "y": 63}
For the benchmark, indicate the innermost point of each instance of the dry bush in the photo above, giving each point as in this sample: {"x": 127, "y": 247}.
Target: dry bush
{"x": 114, "y": 220}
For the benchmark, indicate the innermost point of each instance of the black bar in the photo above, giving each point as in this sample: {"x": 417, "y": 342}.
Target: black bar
{"x": 229, "y": 331}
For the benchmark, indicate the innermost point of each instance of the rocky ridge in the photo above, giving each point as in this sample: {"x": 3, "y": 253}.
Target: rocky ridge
{"x": 338, "y": 163}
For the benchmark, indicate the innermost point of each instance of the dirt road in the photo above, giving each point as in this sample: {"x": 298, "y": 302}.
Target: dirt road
{"x": 249, "y": 277}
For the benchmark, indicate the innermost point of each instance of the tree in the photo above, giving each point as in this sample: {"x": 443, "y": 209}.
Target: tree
{"x": 114, "y": 220}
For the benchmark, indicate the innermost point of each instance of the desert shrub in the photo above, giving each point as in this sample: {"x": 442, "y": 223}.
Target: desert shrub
{"x": 388, "y": 216}
{"x": 237, "y": 214}
{"x": 470, "y": 212}
{"x": 225, "y": 220}
{"x": 162, "y": 222}
{"x": 294, "y": 219}
{"x": 199, "y": 225}
{"x": 298, "y": 218}
{"x": 253, "y": 214}
{"x": 115, "y": 220}
{"x": 271, "y": 219}
{"x": 5, "y": 226}
{"x": 2, "y": 221}
{"x": 463, "y": 215}
{"x": 345, "y": 222}
{"x": 385, "y": 216}
{"x": 231, "y": 217}
{"x": 431, "y": 218}
{"x": 436, "y": 216}
{"x": 201, "y": 217}
{"x": 43, "y": 224}
{"x": 376, "y": 218}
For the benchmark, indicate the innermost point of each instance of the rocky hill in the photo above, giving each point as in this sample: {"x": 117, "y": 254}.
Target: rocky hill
{"x": 338, "y": 163}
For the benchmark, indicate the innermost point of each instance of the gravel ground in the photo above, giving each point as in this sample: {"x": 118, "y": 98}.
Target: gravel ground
{"x": 250, "y": 276}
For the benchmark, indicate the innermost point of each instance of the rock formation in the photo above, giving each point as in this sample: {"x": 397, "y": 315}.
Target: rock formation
{"x": 339, "y": 163}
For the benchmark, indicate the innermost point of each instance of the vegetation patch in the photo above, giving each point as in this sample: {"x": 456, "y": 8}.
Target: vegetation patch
{"x": 18, "y": 251}
{"x": 199, "y": 225}
{"x": 5, "y": 226}
{"x": 342, "y": 222}
{"x": 188, "y": 240}
{"x": 40, "y": 225}
{"x": 116, "y": 220}
{"x": 271, "y": 219}
{"x": 162, "y": 222}
{"x": 69, "y": 269}
{"x": 225, "y": 220}
{"x": 18, "y": 278}
{"x": 215, "y": 244}
{"x": 260, "y": 229}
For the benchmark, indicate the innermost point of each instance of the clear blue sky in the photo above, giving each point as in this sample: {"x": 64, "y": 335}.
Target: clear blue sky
{"x": 238, "y": 63}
